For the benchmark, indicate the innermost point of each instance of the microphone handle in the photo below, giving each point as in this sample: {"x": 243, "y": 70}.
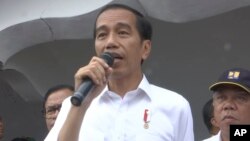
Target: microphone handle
{"x": 87, "y": 85}
{"x": 82, "y": 92}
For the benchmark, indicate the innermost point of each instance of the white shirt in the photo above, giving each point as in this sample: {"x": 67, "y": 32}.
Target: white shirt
{"x": 113, "y": 118}
{"x": 214, "y": 138}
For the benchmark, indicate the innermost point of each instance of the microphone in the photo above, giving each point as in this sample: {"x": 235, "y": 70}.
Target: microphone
{"x": 86, "y": 86}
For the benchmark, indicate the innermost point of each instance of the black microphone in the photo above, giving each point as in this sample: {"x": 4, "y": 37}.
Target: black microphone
{"x": 87, "y": 85}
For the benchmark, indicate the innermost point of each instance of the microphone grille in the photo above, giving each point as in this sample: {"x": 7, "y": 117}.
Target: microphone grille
{"x": 108, "y": 58}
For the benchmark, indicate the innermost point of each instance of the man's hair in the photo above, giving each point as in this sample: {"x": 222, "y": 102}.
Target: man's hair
{"x": 54, "y": 89}
{"x": 144, "y": 27}
{"x": 208, "y": 113}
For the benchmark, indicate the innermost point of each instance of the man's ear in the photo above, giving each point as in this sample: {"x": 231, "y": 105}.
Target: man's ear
{"x": 146, "y": 49}
{"x": 214, "y": 122}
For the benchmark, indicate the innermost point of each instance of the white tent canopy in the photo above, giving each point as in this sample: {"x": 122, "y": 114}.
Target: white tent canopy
{"x": 48, "y": 20}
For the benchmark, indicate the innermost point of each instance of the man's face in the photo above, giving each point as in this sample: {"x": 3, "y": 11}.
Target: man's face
{"x": 53, "y": 105}
{"x": 116, "y": 32}
{"x": 231, "y": 106}
{"x": 1, "y": 129}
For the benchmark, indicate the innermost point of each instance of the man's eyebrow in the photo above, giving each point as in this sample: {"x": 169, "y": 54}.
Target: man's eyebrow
{"x": 121, "y": 24}
{"x": 242, "y": 92}
{"x": 103, "y": 27}
{"x": 56, "y": 105}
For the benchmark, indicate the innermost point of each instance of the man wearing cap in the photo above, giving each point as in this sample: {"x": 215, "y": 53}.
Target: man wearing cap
{"x": 231, "y": 101}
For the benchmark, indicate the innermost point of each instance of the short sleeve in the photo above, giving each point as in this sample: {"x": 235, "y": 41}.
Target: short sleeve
{"x": 53, "y": 134}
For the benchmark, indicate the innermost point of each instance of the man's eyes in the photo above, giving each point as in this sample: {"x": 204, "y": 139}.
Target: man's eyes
{"x": 220, "y": 97}
{"x": 123, "y": 33}
{"x": 101, "y": 35}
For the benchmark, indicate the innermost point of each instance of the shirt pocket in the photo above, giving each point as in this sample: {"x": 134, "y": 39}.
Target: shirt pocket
{"x": 92, "y": 135}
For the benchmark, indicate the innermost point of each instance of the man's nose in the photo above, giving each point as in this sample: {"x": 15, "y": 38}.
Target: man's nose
{"x": 111, "y": 41}
{"x": 229, "y": 105}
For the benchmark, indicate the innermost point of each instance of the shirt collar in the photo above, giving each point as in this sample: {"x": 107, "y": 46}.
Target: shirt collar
{"x": 144, "y": 86}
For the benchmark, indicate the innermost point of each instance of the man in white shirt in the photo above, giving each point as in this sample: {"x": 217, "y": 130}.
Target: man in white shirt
{"x": 123, "y": 105}
{"x": 231, "y": 101}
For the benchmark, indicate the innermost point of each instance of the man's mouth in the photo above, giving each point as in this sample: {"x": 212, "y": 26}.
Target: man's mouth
{"x": 116, "y": 56}
{"x": 229, "y": 117}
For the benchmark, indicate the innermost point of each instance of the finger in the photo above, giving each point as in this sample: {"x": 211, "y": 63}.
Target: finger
{"x": 101, "y": 61}
{"x": 98, "y": 71}
{"x": 95, "y": 70}
{"x": 101, "y": 74}
{"x": 108, "y": 72}
{"x": 101, "y": 68}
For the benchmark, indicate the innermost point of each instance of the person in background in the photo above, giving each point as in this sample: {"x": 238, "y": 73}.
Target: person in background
{"x": 208, "y": 117}
{"x": 53, "y": 100}
{"x": 231, "y": 101}
{"x": 1, "y": 128}
{"x": 23, "y": 139}
{"x": 123, "y": 105}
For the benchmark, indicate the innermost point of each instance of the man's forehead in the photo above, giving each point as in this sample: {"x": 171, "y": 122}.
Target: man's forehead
{"x": 117, "y": 25}
{"x": 56, "y": 99}
{"x": 231, "y": 91}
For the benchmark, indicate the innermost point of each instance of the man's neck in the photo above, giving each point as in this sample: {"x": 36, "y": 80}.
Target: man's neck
{"x": 224, "y": 135}
{"x": 122, "y": 85}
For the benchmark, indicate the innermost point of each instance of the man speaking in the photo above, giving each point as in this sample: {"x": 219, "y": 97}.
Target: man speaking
{"x": 123, "y": 105}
